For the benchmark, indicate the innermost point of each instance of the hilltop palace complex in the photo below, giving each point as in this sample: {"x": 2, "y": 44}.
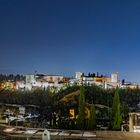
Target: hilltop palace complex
{"x": 57, "y": 82}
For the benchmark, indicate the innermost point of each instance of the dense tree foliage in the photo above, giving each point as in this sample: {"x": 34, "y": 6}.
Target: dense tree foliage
{"x": 52, "y": 102}
{"x": 37, "y": 97}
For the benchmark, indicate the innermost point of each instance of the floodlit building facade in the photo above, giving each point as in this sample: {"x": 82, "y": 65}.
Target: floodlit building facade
{"x": 42, "y": 81}
{"x": 57, "y": 82}
{"x": 78, "y": 75}
{"x": 102, "y": 81}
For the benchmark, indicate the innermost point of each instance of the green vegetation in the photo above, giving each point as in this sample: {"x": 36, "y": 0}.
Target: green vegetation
{"x": 111, "y": 106}
{"x": 81, "y": 110}
{"x": 36, "y": 97}
{"x": 116, "y": 113}
{"x": 92, "y": 118}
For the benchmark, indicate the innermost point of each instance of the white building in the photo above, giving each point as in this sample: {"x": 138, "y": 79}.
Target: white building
{"x": 30, "y": 78}
{"x": 78, "y": 75}
{"x": 88, "y": 80}
{"x": 41, "y": 81}
{"x": 20, "y": 85}
{"x": 53, "y": 78}
{"x": 114, "y": 77}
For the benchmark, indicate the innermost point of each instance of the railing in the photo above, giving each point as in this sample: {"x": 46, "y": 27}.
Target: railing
{"x": 68, "y": 134}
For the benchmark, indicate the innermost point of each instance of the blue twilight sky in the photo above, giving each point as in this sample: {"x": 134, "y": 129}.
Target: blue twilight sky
{"x": 64, "y": 36}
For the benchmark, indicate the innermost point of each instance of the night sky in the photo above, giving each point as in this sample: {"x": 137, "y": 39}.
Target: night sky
{"x": 64, "y": 36}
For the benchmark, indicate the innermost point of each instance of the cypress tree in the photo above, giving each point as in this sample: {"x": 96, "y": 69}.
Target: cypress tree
{"x": 92, "y": 118}
{"x": 81, "y": 110}
{"x": 116, "y": 113}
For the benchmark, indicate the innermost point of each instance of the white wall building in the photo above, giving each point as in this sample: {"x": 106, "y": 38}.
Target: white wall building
{"x": 43, "y": 81}
{"x": 114, "y": 77}
{"x": 30, "y": 78}
{"x": 88, "y": 80}
{"x": 53, "y": 78}
{"x": 78, "y": 75}
{"x": 20, "y": 85}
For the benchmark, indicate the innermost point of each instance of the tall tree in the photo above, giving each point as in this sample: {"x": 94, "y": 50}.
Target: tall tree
{"x": 81, "y": 109}
{"x": 116, "y": 113}
{"x": 92, "y": 118}
{"x": 89, "y": 75}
